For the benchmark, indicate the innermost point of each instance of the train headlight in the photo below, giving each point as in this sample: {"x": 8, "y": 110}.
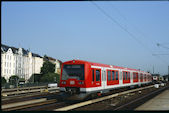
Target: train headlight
{"x": 81, "y": 82}
{"x": 63, "y": 82}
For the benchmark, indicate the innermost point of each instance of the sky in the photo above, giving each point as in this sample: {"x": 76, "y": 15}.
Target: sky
{"x": 122, "y": 33}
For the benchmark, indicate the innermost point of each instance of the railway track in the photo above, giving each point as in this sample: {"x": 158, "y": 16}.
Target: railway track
{"x": 35, "y": 102}
{"x": 116, "y": 101}
{"x": 28, "y": 97}
{"x": 40, "y": 103}
{"x": 140, "y": 100}
{"x": 23, "y": 96}
{"x": 23, "y": 91}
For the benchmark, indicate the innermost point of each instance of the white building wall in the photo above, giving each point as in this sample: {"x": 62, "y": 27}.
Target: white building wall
{"x": 7, "y": 64}
{"x": 18, "y": 64}
{"x": 29, "y": 64}
{"x": 2, "y": 65}
{"x": 57, "y": 67}
{"x": 38, "y": 64}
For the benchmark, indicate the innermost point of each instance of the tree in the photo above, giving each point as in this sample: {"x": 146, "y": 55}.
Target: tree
{"x": 14, "y": 79}
{"x": 3, "y": 81}
{"x": 50, "y": 78}
{"x": 47, "y": 67}
{"x": 35, "y": 78}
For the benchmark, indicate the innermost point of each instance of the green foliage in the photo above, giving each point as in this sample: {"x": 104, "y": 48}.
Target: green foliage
{"x": 50, "y": 78}
{"x": 14, "y": 79}
{"x": 47, "y": 67}
{"x": 35, "y": 78}
{"x": 21, "y": 79}
{"x": 3, "y": 80}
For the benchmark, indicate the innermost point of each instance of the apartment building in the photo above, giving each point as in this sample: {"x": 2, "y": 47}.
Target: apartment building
{"x": 18, "y": 61}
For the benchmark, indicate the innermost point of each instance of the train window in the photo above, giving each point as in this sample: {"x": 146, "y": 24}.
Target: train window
{"x": 113, "y": 75}
{"x": 73, "y": 71}
{"x": 116, "y": 75}
{"x": 134, "y": 75}
{"x": 141, "y": 77}
{"x": 128, "y": 77}
{"x": 109, "y": 75}
{"x": 97, "y": 75}
{"x": 124, "y": 74}
{"x": 145, "y": 78}
{"x": 92, "y": 74}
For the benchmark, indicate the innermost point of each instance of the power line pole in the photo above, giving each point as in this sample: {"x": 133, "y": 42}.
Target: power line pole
{"x": 153, "y": 69}
{"x": 168, "y": 70}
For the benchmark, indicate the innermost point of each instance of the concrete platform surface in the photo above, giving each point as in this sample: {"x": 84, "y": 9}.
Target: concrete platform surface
{"x": 159, "y": 102}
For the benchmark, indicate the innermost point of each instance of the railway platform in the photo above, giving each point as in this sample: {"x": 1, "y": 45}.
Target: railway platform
{"x": 158, "y": 103}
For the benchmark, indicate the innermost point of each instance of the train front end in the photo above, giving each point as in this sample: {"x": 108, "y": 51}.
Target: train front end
{"x": 72, "y": 80}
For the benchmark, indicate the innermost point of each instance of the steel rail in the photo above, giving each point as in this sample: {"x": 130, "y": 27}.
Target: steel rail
{"x": 99, "y": 99}
{"x": 31, "y": 105}
{"x": 28, "y": 91}
{"x": 138, "y": 99}
{"x": 23, "y": 88}
{"x": 23, "y": 103}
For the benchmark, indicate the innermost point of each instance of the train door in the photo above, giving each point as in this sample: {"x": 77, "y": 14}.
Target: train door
{"x": 120, "y": 77}
{"x": 96, "y": 77}
{"x": 104, "y": 78}
{"x": 126, "y": 77}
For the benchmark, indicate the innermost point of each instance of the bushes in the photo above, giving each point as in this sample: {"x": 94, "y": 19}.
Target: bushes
{"x": 35, "y": 78}
{"x": 47, "y": 75}
{"x": 14, "y": 79}
{"x": 3, "y": 81}
{"x": 47, "y": 67}
{"x": 50, "y": 78}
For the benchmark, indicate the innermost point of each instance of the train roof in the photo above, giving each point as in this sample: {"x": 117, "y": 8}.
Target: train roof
{"x": 103, "y": 65}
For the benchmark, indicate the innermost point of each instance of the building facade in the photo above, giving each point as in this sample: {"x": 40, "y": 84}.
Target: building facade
{"x": 20, "y": 62}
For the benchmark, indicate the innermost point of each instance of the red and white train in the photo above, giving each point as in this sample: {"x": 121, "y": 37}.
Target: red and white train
{"x": 83, "y": 78}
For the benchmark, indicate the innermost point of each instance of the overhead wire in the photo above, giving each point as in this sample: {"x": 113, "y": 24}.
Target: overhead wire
{"x": 162, "y": 45}
{"x": 131, "y": 35}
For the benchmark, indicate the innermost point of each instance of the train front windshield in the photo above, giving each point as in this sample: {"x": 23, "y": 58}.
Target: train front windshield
{"x": 73, "y": 71}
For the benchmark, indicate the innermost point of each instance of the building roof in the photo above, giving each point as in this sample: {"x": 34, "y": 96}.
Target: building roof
{"x": 4, "y": 48}
{"x": 52, "y": 59}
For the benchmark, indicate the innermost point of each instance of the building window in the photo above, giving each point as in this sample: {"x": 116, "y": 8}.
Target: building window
{"x": 5, "y": 71}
